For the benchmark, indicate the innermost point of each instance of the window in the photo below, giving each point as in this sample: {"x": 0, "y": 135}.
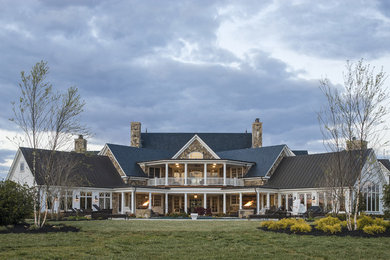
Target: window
{"x": 234, "y": 199}
{"x": 154, "y": 172}
{"x": 195, "y": 155}
{"x": 371, "y": 197}
{"x": 86, "y": 200}
{"x": 22, "y": 166}
{"x": 156, "y": 201}
{"x": 66, "y": 200}
{"x": 237, "y": 172}
{"x": 104, "y": 200}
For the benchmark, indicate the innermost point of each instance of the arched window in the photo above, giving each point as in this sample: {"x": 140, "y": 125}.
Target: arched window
{"x": 195, "y": 155}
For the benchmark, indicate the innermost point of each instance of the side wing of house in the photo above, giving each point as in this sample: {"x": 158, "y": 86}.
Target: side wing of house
{"x": 20, "y": 171}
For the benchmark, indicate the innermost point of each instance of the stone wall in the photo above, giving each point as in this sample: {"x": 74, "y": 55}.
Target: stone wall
{"x": 196, "y": 146}
{"x": 135, "y": 134}
{"x": 114, "y": 162}
{"x": 257, "y": 134}
{"x": 254, "y": 182}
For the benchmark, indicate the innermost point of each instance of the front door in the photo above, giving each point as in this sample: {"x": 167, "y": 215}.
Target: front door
{"x": 195, "y": 203}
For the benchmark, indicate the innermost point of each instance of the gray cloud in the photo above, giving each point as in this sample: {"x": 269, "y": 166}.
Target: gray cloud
{"x": 158, "y": 62}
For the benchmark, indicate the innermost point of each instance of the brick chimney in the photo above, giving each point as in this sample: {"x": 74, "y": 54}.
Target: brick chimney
{"x": 80, "y": 145}
{"x": 135, "y": 134}
{"x": 257, "y": 134}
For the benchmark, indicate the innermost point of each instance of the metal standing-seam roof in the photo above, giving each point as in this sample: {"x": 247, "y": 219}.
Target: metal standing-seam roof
{"x": 173, "y": 142}
{"x": 309, "y": 171}
{"x": 128, "y": 158}
{"x": 80, "y": 170}
{"x": 264, "y": 157}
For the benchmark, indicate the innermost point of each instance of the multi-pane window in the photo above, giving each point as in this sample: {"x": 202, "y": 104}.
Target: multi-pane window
{"x": 154, "y": 172}
{"x": 86, "y": 200}
{"x": 237, "y": 172}
{"x": 66, "y": 200}
{"x": 371, "y": 197}
{"x": 104, "y": 200}
{"x": 234, "y": 199}
{"x": 157, "y": 201}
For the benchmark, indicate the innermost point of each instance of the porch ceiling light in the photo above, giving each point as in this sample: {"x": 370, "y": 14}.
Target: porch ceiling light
{"x": 195, "y": 196}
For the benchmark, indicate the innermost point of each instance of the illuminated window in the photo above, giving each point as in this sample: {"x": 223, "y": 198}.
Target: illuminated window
{"x": 195, "y": 155}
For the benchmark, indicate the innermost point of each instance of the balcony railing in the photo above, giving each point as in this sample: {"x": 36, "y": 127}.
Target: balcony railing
{"x": 194, "y": 181}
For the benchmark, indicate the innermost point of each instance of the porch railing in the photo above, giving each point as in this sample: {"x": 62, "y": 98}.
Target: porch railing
{"x": 195, "y": 181}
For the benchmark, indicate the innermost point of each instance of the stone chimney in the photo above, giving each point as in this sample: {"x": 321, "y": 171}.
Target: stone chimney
{"x": 356, "y": 144}
{"x": 135, "y": 134}
{"x": 257, "y": 134}
{"x": 80, "y": 145}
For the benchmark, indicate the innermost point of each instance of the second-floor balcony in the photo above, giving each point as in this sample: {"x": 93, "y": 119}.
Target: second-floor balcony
{"x": 196, "y": 181}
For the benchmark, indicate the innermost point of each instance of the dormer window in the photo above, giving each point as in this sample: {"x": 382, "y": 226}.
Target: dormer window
{"x": 22, "y": 166}
{"x": 195, "y": 155}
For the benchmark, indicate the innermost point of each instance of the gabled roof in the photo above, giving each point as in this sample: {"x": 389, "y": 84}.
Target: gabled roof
{"x": 300, "y": 152}
{"x": 310, "y": 171}
{"x": 86, "y": 170}
{"x": 191, "y": 141}
{"x": 173, "y": 142}
{"x": 385, "y": 162}
{"x": 128, "y": 157}
{"x": 264, "y": 157}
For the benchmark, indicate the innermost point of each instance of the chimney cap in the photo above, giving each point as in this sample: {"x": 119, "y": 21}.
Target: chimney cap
{"x": 257, "y": 120}
{"x": 80, "y": 136}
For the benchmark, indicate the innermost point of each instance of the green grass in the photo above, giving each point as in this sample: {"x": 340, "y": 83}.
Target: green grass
{"x": 139, "y": 239}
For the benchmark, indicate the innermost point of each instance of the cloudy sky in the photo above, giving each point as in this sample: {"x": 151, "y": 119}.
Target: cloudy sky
{"x": 190, "y": 66}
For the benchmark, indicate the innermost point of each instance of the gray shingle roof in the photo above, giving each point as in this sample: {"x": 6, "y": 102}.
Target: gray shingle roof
{"x": 173, "y": 142}
{"x": 128, "y": 157}
{"x": 310, "y": 171}
{"x": 385, "y": 163}
{"x": 86, "y": 170}
{"x": 264, "y": 157}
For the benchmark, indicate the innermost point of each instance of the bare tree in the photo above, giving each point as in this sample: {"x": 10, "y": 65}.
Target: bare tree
{"x": 48, "y": 121}
{"x": 352, "y": 117}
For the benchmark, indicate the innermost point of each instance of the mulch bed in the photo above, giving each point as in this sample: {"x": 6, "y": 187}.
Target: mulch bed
{"x": 27, "y": 228}
{"x": 343, "y": 233}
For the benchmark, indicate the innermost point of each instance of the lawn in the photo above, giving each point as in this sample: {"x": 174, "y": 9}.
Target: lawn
{"x": 143, "y": 239}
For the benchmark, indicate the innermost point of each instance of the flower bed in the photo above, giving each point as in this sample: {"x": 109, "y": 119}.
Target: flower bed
{"x": 367, "y": 227}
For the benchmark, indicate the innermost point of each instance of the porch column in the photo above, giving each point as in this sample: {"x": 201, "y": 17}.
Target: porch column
{"x": 205, "y": 201}
{"x": 133, "y": 202}
{"x": 314, "y": 197}
{"x": 185, "y": 203}
{"x": 279, "y": 200}
{"x": 166, "y": 203}
{"x": 205, "y": 174}
{"x": 224, "y": 203}
{"x": 258, "y": 202}
{"x": 305, "y": 200}
{"x": 224, "y": 174}
{"x": 267, "y": 200}
{"x": 166, "y": 174}
{"x": 286, "y": 196}
{"x": 185, "y": 174}
{"x": 150, "y": 201}
{"x": 122, "y": 202}
{"x": 240, "y": 200}
{"x": 110, "y": 200}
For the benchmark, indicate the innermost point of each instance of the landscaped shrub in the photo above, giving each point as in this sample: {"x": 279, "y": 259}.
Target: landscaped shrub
{"x": 331, "y": 228}
{"x": 329, "y": 224}
{"x": 381, "y": 222}
{"x": 364, "y": 221}
{"x": 300, "y": 226}
{"x": 285, "y": 223}
{"x": 374, "y": 229}
{"x": 265, "y": 224}
{"x": 16, "y": 202}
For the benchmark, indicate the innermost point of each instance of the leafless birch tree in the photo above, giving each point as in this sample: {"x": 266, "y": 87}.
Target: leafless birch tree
{"x": 352, "y": 118}
{"x": 48, "y": 120}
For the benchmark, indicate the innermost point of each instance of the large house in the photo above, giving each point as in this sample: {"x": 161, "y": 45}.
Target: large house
{"x": 226, "y": 173}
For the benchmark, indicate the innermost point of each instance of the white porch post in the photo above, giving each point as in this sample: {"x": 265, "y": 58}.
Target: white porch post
{"x": 185, "y": 174}
{"x": 166, "y": 203}
{"x": 224, "y": 174}
{"x": 267, "y": 200}
{"x": 258, "y": 202}
{"x": 110, "y": 200}
{"x": 166, "y": 174}
{"x": 205, "y": 201}
{"x": 240, "y": 200}
{"x": 315, "y": 196}
{"x": 205, "y": 174}
{"x": 286, "y": 196}
{"x": 150, "y": 201}
{"x": 185, "y": 203}
{"x": 279, "y": 200}
{"x": 133, "y": 202}
{"x": 224, "y": 203}
{"x": 122, "y": 202}
{"x": 305, "y": 200}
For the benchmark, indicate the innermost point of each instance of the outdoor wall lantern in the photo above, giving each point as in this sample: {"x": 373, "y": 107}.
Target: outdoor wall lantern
{"x": 96, "y": 198}
{"x": 77, "y": 198}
